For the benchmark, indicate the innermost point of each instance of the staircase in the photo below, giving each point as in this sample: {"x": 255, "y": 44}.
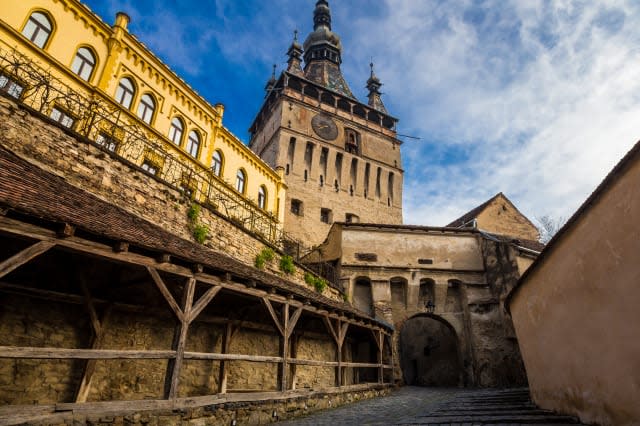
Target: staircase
{"x": 491, "y": 407}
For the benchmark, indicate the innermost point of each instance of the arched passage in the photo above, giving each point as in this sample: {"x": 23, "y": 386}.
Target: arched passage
{"x": 429, "y": 354}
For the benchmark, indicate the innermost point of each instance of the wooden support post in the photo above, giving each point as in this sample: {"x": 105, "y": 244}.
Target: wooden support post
{"x": 283, "y": 371}
{"x": 379, "y": 339}
{"x": 16, "y": 261}
{"x": 174, "y": 366}
{"x": 98, "y": 327}
{"x": 295, "y": 340}
{"x": 226, "y": 343}
{"x": 339, "y": 332}
{"x": 285, "y": 326}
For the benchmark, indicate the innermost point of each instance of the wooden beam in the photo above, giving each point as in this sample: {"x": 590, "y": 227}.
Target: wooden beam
{"x": 19, "y": 259}
{"x": 227, "y": 336}
{"x": 166, "y": 293}
{"x": 274, "y": 316}
{"x": 95, "y": 249}
{"x": 232, "y": 357}
{"x": 121, "y": 247}
{"x": 87, "y": 377}
{"x": 15, "y": 352}
{"x": 66, "y": 231}
{"x": 283, "y": 371}
{"x": 332, "y": 332}
{"x": 293, "y": 321}
{"x": 202, "y": 303}
{"x": 93, "y": 315}
{"x": 174, "y": 366}
{"x": 295, "y": 340}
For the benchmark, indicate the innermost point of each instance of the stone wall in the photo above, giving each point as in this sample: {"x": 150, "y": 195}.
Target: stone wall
{"x": 87, "y": 166}
{"x": 30, "y": 322}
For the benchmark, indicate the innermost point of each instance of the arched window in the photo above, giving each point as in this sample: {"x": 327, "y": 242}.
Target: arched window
{"x": 262, "y": 197}
{"x": 84, "y": 63}
{"x": 175, "y": 131}
{"x": 193, "y": 143}
{"x": 241, "y": 180}
{"x": 146, "y": 108}
{"x": 216, "y": 163}
{"x": 125, "y": 92}
{"x": 38, "y": 29}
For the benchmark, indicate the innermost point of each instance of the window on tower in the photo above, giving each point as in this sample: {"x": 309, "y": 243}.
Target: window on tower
{"x": 352, "y": 142}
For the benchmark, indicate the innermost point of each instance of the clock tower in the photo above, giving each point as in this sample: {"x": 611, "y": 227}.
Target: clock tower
{"x": 341, "y": 157}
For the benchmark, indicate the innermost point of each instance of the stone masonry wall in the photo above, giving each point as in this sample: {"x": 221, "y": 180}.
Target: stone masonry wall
{"x": 33, "y": 322}
{"x": 85, "y": 165}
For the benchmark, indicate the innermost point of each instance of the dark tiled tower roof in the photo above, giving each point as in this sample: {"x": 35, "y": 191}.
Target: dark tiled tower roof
{"x": 323, "y": 53}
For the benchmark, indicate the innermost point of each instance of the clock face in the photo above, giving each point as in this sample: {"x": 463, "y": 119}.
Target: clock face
{"x": 324, "y": 127}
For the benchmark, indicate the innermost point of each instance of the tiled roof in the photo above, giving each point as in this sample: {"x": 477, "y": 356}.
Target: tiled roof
{"x": 27, "y": 189}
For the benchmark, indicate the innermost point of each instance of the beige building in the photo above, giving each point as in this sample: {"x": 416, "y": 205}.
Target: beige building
{"x": 575, "y": 311}
{"x": 341, "y": 157}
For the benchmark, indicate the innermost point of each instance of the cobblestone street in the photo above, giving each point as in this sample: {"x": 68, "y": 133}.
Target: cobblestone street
{"x": 429, "y": 406}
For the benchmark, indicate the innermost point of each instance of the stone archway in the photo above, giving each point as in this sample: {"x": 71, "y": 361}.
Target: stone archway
{"x": 429, "y": 352}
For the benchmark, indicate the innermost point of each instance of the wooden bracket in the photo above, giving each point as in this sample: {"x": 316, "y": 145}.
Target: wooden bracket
{"x": 16, "y": 261}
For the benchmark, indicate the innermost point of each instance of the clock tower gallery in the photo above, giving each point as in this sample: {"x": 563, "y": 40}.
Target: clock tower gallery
{"x": 340, "y": 157}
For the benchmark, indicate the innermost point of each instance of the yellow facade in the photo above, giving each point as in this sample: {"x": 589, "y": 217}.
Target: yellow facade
{"x": 95, "y": 61}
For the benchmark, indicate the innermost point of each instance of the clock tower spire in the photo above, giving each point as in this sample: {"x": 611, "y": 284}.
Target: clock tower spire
{"x": 323, "y": 53}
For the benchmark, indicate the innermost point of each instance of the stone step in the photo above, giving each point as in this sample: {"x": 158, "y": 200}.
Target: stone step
{"x": 480, "y": 412}
{"x": 465, "y": 407}
{"x": 499, "y": 419}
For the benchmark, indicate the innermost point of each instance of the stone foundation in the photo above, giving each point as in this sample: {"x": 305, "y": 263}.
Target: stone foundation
{"x": 247, "y": 409}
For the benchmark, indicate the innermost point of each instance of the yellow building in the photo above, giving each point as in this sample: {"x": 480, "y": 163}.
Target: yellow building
{"x": 61, "y": 59}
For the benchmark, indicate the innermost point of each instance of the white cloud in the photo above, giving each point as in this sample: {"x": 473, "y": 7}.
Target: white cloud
{"x": 542, "y": 96}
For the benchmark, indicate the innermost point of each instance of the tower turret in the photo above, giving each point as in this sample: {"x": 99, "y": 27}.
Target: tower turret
{"x": 375, "y": 98}
{"x": 295, "y": 56}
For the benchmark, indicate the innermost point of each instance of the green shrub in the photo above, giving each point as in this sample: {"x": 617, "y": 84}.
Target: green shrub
{"x": 287, "y": 266}
{"x": 193, "y": 213}
{"x": 309, "y": 278}
{"x": 345, "y": 297}
{"x": 320, "y": 284}
{"x": 266, "y": 255}
{"x": 200, "y": 233}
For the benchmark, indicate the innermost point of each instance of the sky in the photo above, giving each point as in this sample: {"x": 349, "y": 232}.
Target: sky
{"x": 538, "y": 99}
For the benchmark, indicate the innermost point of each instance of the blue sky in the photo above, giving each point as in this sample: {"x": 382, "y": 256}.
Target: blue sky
{"x": 538, "y": 99}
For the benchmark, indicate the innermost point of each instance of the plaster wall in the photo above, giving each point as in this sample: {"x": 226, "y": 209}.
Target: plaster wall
{"x": 405, "y": 249}
{"x": 576, "y": 313}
